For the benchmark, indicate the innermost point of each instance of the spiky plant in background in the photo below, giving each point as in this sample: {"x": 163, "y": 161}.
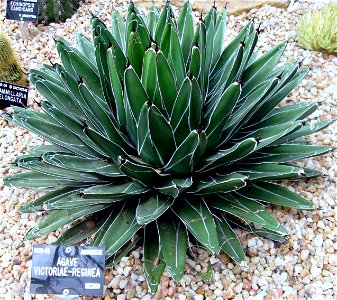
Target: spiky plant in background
{"x": 10, "y": 68}
{"x": 57, "y": 10}
{"x": 160, "y": 133}
{"x": 317, "y": 30}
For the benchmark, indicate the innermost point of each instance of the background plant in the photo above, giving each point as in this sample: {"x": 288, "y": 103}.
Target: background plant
{"x": 317, "y": 30}
{"x": 10, "y": 69}
{"x": 57, "y": 10}
{"x": 159, "y": 132}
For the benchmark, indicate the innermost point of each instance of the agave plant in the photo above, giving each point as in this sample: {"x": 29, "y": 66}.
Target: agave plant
{"x": 160, "y": 132}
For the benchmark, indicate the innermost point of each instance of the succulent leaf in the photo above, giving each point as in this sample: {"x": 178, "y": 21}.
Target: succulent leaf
{"x": 157, "y": 125}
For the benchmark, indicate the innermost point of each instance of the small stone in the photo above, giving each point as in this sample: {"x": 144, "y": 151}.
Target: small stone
{"x": 318, "y": 241}
{"x": 278, "y": 279}
{"x": 304, "y": 254}
{"x": 123, "y": 283}
{"x": 126, "y": 271}
{"x": 314, "y": 271}
{"x": 213, "y": 260}
{"x": 229, "y": 294}
{"x": 262, "y": 282}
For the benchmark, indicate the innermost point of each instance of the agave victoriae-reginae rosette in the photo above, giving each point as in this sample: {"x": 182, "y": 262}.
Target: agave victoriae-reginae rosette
{"x": 159, "y": 131}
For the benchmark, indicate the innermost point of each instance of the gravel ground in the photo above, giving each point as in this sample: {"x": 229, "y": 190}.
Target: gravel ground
{"x": 305, "y": 267}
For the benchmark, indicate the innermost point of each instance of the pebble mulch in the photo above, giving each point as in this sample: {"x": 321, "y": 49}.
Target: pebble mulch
{"x": 305, "y": 267}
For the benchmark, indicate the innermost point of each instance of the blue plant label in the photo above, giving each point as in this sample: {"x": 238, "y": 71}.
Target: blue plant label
{"x": 13, "y": 95}
{"x": 22, "y": 10}
{"x": 68, "y": 270}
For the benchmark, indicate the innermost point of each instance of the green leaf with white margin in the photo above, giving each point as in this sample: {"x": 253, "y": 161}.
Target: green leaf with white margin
{"x": 274, "y": 133}
{"x": 38, "y": 180}
{"x": 149, "y": 74}
{"x": 173, "y": 238}
{"x": 298, "y": 111}
{"x": 229, "y": 242}
{"x": 179, "y": 118}
{"x": 230, "y": 48}
{"x": 86, "y": 47}
{"x": 185, "y": 28}
{"x": 219, "y": 36}
{"x": 219, "y": 116}
{"x": 176, "y": 58}
{"x": 175, "y": 186}
{"x": 121, "y": 191}
{"x": 83, "y": 69}
{"x": 271, "y": 171}
{"x": 152, "y": 208}
{"x": 53, "y": 133}
{"x": 81, "y": 164}
{"x": 228, "y": 156}
{"x": 302, "y": 131}
{"x": 110, "y": 148}
{"x": 142, "y": 173}
{"x": 152, "y": 19}
{"x": 101, "y": 50}
{"x": 136, "y": 94}
{"x": 274, "y": 194}
{"x": 99, "y": 28}
{"x": 167, "y": 83}
{"x": 82, "y": 230}
{"x": 135, "y": 51}
{"x": 154, "y": 264}
{"x": 195, "y": 63}
{"x": 77, "y": 200}
{"x": 42, "y": 149}
{"x": 224, "y": 79}
{"x": 36, "y": 164}
{"x": 117, "y": 230}
{"x": 198, "y": 219}
{"x": 188, "y": 154}
{"x": 118, "y": 29}
{"x": 116, "y": 87}
{"x": 123, "y": 252}
{"x": 38, "y": 204}
{"x": 145, "y": 147}
{"x": 58, "y": 218}
{"x": 247, "y": 210}
{"x": 73, "y": 125}
{"x": 249, "y": 106}
{"x": 219, "y": 184}
{"x": 274, "y": 236}
{"x": 260, "y": 69}
{"x": 160, "y": 127}
{"x": 163, "y": 19}
{"x": 279, "y": 95}
{"x": 287, "y": 152}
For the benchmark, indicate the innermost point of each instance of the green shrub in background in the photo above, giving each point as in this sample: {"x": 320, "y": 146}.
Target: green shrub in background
{"x": 162, "y": 136}
{"x": 317, "y": 30}
{"x": 57, "y": 10}
{"x": 10, "y": 69}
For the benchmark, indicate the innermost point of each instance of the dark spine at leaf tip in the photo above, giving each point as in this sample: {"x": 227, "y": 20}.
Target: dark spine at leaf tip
{"x": 81, "y": 80}
{"x": 84, "y": 124}
{"x": 214, "y": 6}
{"x": 128, "y": 64}
{"x": 93, "y": 16}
